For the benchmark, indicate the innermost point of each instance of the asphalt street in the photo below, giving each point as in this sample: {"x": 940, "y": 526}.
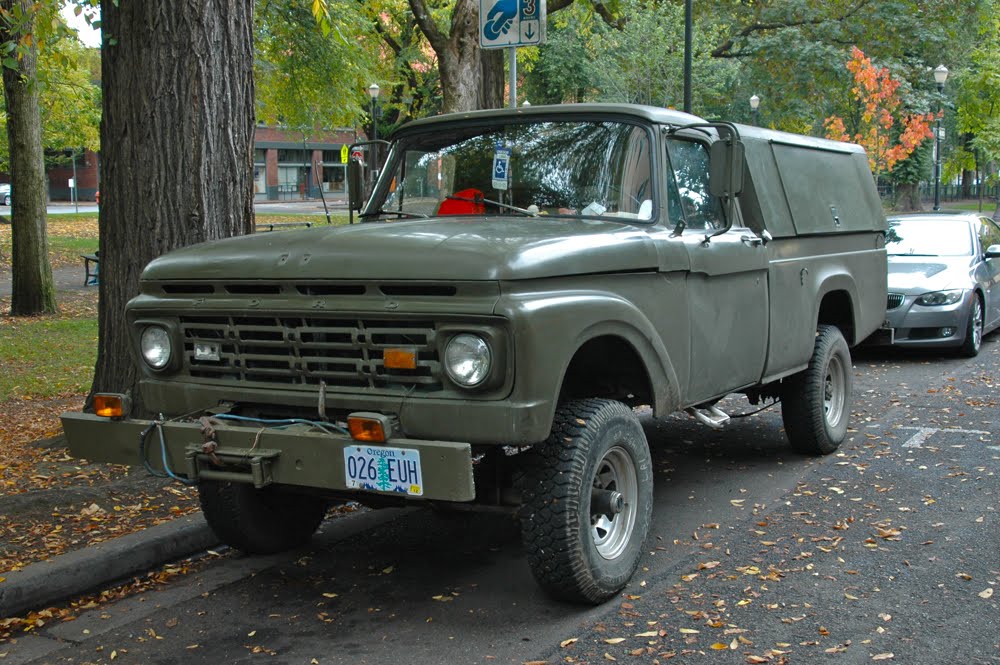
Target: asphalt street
{"x": 883, "y": 551}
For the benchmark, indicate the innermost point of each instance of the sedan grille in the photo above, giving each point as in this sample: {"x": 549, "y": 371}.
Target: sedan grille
{"x": 894, "y": 300}
{"x": 303, "y": 351}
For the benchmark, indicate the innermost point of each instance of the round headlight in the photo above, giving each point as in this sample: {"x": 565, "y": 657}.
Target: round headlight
{"x": 155, "y": 346}
{"x": 467, "y": 359}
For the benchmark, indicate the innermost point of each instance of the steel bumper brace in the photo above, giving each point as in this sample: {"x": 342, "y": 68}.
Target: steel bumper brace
{"x": 292, "y": 456}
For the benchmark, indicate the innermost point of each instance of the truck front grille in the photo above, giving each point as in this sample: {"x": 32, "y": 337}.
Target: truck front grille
{"x": 305, "y": 350}
{"x": 894, "y": 300}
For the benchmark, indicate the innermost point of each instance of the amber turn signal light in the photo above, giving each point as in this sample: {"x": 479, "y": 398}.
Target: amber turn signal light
{"x": 400, "y": 359}
{"x": 109, "y": 405}
{"x": 370, "y": 427}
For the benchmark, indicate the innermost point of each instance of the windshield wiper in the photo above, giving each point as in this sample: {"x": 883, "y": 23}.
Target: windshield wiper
{"x": 505, "y": 206}
{"x": 401, "y": 213}
{"x": 911, "y": 254}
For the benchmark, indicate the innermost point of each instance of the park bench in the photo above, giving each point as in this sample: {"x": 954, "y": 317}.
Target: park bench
{"x": 265, "y": 228}
{"x": 91, "y": 265}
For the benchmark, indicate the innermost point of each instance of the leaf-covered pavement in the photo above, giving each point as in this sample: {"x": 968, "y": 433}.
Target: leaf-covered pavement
{"x": 884, "y": 552}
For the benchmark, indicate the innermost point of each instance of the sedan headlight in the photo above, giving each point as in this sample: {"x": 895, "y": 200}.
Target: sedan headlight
{"x": 467, "y": 359}
{"x": 940, "y": 298}
{"x": 155, "y": 346}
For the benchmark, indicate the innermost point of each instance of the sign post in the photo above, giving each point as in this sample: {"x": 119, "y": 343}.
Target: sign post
{"x": 510, "y": 24}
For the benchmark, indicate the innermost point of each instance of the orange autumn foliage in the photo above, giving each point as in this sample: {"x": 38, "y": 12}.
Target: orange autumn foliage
{"x": 876, "y": 90}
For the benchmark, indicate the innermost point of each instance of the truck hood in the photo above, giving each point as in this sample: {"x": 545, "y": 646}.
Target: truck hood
{"x": 502, "y": 248}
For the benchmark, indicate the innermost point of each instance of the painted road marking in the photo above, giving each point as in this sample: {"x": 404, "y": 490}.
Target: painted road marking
{"x": 924, "y": 433}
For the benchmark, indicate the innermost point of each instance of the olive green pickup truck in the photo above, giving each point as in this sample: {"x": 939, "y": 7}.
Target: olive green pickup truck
{"x": 519, "y": 280}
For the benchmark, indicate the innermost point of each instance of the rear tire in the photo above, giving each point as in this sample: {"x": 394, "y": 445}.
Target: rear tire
{"x": 816, "y": 402}
{"x": 588, "y": 500}
{"x": 260, "y": 521}
{"x": 973, "y": 329}
{"x": 6, "y": 199}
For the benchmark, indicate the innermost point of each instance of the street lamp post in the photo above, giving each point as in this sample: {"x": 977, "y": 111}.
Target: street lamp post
{"x": 373, "y": 91}
{"x": 940, "y": 76}
{"x": 754, "y": 105}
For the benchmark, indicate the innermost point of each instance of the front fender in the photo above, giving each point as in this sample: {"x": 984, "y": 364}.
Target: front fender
{"x": 549, "y": 327}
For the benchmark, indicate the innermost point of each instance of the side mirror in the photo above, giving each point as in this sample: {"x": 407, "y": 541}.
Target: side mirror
{"x": 993, "y": 251}
{"x": 725, "y": 176}
{"x": 356, "y": 193}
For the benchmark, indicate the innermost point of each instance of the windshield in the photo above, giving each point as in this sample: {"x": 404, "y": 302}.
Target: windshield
{"x": 579, "y": 168}
{"x": 929, "y": 237}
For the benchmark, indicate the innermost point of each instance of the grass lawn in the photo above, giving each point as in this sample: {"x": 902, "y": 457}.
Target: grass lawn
{"x": 49, "y": 356}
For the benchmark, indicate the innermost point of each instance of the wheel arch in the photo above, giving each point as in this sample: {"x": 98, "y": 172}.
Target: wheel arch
{"x": 608, "y": 365}
{"x": 566, "y": 333}
{"x": 838, "y": 305}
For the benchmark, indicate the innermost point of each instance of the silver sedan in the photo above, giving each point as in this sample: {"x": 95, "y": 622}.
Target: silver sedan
{"x": 944, "y": 280}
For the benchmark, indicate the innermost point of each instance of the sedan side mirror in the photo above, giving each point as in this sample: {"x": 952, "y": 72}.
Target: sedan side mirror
{"x": 993, "y": 251}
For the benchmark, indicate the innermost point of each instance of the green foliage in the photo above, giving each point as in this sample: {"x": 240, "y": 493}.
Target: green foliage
{"x": 308, "y": 75}
{"x": 69, "y": 99}
{"x": 915, "y": 167}
{"x": 978, "y": 87}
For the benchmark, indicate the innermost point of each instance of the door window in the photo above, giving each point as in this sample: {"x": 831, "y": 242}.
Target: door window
{"x": 688, "y": 194}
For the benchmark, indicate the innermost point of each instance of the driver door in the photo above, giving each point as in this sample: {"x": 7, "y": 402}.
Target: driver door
{"x": 727, "y": 282}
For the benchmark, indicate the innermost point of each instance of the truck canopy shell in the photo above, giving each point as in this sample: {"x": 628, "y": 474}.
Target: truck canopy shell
{"x": 800, "y": 185}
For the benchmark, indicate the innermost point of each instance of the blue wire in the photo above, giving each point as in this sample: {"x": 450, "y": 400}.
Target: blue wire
{"x": 277, "y": 424}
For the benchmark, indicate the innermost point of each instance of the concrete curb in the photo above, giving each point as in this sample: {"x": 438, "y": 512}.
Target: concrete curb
{"x": 43, "y": 583}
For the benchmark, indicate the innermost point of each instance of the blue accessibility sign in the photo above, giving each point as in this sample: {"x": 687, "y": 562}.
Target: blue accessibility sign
{"x": 501, "y": 168}
{"x": 505, "y": 23}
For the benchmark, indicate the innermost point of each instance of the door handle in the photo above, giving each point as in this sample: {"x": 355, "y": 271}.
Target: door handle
{"x": 750, "y": 241}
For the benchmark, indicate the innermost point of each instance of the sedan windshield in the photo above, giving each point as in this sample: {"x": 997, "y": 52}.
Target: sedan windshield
{"x": 590, "y": 169}
{"x": 928, "y": 237}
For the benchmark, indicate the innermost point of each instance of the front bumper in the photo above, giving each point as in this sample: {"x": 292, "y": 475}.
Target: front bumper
{"x": 917, "y": 325}
{"x": 293, "y": 457}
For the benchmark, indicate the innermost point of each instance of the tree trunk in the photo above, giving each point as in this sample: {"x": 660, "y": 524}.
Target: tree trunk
{"x": 33, "y": 291}
{"x": 908, "y": 194}
{"x": 177, "y": 149}
{"x": 471, "y": 78}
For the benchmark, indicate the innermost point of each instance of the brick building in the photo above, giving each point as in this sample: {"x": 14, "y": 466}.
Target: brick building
{"x": 285, "y": 167}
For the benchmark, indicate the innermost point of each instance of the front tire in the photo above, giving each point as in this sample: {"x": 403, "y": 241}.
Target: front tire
{"x": 816, "y": 402}
{"x": 588, "y": 501}
{"x": 974, "y": 329}
{"x": 260, "y": 521}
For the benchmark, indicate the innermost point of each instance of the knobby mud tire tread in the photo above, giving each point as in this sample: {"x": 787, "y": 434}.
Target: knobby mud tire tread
{"x": 550, "y": 513}
{"x": 802, "y": 398}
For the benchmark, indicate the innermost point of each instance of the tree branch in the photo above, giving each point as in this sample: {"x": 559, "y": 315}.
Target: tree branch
{"x": 438, "y": 39}
{"x": 725, "y": 49}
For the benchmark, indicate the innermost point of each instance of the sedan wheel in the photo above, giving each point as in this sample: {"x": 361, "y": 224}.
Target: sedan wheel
{"x": 974, "y": 330}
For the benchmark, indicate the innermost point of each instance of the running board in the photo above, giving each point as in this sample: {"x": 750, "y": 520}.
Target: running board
{"x": 711, "y": 416}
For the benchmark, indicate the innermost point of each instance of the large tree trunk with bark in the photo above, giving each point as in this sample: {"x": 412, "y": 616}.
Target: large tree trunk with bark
{"x": 177, "y": 148}
{"x": 471, "y": 78}
{"x": 33, "y": 290}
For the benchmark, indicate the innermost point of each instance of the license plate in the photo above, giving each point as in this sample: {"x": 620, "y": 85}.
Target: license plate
{"x": 383, "y": 469}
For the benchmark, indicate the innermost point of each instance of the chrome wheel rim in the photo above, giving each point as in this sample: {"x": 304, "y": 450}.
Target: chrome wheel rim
{"x": 610, "y": 530}
{"x": 977, "y": 322}
{"x": 834, "y": 387}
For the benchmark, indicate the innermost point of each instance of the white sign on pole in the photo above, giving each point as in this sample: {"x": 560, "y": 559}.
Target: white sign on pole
{"x": 71, "y": 183}
{"x": 504, "y": 23}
